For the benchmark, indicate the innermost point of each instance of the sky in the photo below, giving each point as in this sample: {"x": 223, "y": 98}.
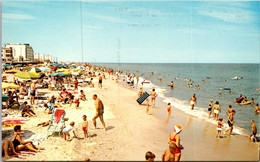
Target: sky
{"x": 136, "y": 31}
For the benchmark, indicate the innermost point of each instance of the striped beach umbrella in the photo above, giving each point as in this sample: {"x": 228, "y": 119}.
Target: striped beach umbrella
{"x": 34, "y": 69}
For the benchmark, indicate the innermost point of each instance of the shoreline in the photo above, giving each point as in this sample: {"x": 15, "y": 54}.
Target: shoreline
{"x": 131, "y": 129}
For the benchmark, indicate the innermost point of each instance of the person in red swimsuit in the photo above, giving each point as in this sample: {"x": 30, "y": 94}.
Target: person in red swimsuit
{"x": 169, "y": 110}
{"x": 174, "y": 137}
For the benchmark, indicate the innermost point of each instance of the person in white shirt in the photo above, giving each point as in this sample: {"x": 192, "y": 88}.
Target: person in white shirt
{"x": 66, "y": 130}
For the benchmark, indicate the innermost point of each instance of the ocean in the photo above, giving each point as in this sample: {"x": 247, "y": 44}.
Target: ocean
{"x": 221, "y": 77}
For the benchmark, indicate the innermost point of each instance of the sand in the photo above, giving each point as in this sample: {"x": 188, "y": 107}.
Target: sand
{"x": 131, "y": 132}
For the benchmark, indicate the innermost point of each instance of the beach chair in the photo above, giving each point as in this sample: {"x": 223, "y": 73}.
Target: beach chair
{"x": 57, "y": 121}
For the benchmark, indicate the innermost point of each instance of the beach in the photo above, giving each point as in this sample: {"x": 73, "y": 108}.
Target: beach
{"x": 131, "y": 132}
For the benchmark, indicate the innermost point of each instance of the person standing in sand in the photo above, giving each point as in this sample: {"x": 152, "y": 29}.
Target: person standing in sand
{"x": 168, "y": 154}
{"x": 137, "y": 80}
{"x": 33, "y": 92}
{"x": 99, "y": 81}
{"x": 153, "y": 96}
{"x": 85, "y": 126}
{"x": 99, "y": 111}
{"x": 76, "y": 83}
{"x": 169, "y": 110}
{"x": 193, "y": 101}
{"x": 147, "y": 106}
{"x": 230, "y": 122}
{"x": 175, "y": 137}
{"x": 210, "y": 107}
{"x": 253, "y": 131}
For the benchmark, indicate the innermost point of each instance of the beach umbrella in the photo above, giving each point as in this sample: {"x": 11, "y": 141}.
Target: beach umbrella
{"x": 34, "y": 69}
{"x": 45, "y": 69}
{"x": 66, "y": 72}
{"x": 75, "y": 70}
{"x": 76, "y": 73}
{"x": 25, "y": 75}
{"x": 9, "y": 85}
{"x": 74, "y": 66}
{"x": 4, "y": 98}
{"x": 34, "y": 73}
{"x": 12, "y": 71}
{"x": 61, "y": 70}
{"x": 80, "y": 67}
{"x": 58, "y": 74}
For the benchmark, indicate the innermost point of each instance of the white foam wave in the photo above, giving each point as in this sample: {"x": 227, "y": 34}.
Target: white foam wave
{"x": 198, "y": 112}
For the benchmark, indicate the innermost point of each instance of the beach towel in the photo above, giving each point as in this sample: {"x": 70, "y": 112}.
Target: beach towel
{"x": 12, "y": 122}
{"x": 58, "y": 114}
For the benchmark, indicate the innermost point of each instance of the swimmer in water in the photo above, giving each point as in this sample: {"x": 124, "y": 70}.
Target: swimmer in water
{"x": 257, "y": 109}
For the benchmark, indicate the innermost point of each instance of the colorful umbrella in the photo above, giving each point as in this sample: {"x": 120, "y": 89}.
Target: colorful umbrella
{"x": 45, "y": 69}
{"x": 9, "y": 85}
{"x": 58, "y": 74}
{"x": 25, "y": 75}
{"x": 12, "y": 71}
{"x": 4, "y": 98}
{"x": 73, "y": 66}
{"x": 80, "y": 67}
{"x": 34, "y": 69}
{"x": 61, "y": 70}
{"x": 34, "y": 73}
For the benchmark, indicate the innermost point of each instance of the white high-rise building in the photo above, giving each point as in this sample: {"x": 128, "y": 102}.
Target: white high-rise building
{"x": 21, "y": 52}
{"x": 44, "y": 58}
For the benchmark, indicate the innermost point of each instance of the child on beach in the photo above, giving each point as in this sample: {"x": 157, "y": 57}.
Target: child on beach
{"x": 85, "y": 126}
{"x": 82, "y": 96}
{"x": 169, "y": 110}
{"x": 253, "y": 131}
{"x": 77, "y": 103}
{"x": 66, "y": 130}
{"x": 220, "y": 124}
{"x": 147, "y": 106}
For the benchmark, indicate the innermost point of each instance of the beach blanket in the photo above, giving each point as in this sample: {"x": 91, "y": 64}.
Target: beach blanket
{"x": 13, "y": 122}
{"x": 58, "y": 114}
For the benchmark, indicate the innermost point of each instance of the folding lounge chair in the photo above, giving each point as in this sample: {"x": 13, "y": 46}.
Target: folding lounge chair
{"x": 57, "y": 121}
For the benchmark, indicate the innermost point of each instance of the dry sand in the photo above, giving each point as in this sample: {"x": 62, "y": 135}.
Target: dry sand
{"x": 131, "y": 132}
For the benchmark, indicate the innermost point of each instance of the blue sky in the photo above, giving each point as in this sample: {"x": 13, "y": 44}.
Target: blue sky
{"x": 136, "y": 31}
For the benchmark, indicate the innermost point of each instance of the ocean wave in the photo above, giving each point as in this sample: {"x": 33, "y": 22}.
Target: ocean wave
{"x": 198, "y": 112}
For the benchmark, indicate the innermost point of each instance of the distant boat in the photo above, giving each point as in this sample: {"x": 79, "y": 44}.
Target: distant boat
{"x": 237, "y": 78}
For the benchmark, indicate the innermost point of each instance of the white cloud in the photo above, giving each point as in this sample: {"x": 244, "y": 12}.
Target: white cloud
{"x": 234, "y": 12}
{"x": 110, "y": 19}
{"x": 16, "y": 16}
{"x": 238, "y": 16}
